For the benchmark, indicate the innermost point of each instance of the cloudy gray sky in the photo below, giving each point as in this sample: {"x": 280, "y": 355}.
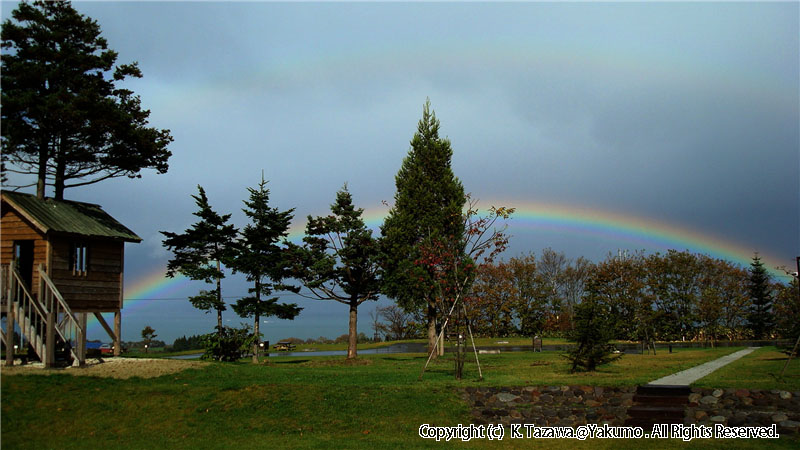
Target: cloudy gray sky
{"x": 681, "y": 114}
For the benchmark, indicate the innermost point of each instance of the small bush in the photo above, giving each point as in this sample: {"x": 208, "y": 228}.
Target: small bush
{"x": 228, "y": 344}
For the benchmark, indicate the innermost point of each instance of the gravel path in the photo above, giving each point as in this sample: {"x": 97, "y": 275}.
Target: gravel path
{"x": 111, "y": 367}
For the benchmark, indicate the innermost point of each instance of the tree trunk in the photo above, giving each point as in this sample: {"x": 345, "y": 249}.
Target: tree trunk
{"x": 353, "y": 332}
{"x": 431, "y": 327}
{"x": 219, "y": 299}
{"x": 61, "y": 167}
{"x": 256, "y": 329}
{"x": 42, "y": 176}
{"x": 257, "y": 340}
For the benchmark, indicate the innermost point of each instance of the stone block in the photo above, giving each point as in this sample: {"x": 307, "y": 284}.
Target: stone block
{"x": 709, "y": 400}
{"x": 742, "y": 393}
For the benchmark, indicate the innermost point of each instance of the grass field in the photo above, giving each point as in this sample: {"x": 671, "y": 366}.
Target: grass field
{"x": 295, "y": 402}
{"x": 758, "y": 370}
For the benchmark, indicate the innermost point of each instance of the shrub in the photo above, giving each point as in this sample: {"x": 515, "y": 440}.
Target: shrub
{"x": 228, "y": 344}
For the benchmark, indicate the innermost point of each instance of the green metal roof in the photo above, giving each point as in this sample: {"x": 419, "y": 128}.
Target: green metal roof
{"x": 64, "y": 216}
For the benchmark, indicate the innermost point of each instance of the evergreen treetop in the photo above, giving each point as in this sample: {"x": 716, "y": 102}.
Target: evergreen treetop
{"x": 428, "y": 207}
{"x": 760, "y": 317}
{"x": 64, "y": 118}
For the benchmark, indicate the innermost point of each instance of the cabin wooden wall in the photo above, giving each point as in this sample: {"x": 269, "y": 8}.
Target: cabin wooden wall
{"x": 98, "y": 289}
{"x": 13, "y": 227}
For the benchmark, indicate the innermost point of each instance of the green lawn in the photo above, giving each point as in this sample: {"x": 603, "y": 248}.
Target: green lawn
{"x": 296, "y": 402}
{"x": 758, "y": 370}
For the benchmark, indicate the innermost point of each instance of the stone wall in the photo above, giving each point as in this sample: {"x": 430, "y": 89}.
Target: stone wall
{"x": 550, "y": 405}
{"x": 580, "y": 405}
{"x": 745, "y": 407}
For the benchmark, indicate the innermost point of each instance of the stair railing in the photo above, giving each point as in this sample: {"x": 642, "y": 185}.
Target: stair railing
{"x": 60, "y": 318}
{"x": 28, "y": 313}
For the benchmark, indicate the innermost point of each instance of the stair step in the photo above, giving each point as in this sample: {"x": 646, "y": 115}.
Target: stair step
{"x": 660, "y": 399}
{"x": 641, "y": 411}
{"x": 663, "y": 390}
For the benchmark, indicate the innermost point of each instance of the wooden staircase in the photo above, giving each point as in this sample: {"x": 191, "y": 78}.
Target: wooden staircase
{"x": 46, "y": 322}
{"x": 655, "y": 404}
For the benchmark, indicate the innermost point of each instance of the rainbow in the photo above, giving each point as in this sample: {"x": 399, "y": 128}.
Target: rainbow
{"x": 640, "y": 232}
{"x": 152, "y": 285}
{"x": 643, "y": 232}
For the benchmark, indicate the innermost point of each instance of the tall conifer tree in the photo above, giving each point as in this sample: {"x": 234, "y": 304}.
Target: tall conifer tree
{"x": 761, "y": 321}
{"x": 64, "y": 119}
{"x": 264, "y": 261}
{"x": 339, "y": 260}
{"x": 427, "y": 208}
{"x": 200, "y": 252}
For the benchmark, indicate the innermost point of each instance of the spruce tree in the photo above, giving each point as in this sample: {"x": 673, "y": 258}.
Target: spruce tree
{"x": 265, "y": 263}
{"x": 427, "y": 208}
{"x": 200, "y": 251}
{"x": 339, "y": 261}
{"x": 593, "y": 333}
{"x": 760, "y": 317}
{"x": 64, "y": 119}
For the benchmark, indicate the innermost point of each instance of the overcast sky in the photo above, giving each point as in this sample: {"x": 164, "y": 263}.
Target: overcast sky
{"x": 683, "y": 114}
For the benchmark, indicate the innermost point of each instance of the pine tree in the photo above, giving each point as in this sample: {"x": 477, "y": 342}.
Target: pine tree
{"x": 428, "y": 208}
{"x": 760, "y": 317}
{"x": 264, "y": 261}
{"x": 593, "y": 332}
{"x": 63, "y": 116}
{"x": 339, "y": 261}
{"x": 200, "y": 252}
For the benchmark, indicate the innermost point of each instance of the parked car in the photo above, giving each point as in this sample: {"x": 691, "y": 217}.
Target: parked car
{"x": 106, "y": 349}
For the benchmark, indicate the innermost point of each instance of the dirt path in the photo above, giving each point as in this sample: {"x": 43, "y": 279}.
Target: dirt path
{"x": 110, "y": 367}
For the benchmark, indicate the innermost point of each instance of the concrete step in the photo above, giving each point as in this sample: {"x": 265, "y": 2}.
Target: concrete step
{"x": 661, "y": 400}
{"x": 663, "y": 390}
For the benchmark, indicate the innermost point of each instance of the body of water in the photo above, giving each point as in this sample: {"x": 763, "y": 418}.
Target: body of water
{"x": 414, "y": 347}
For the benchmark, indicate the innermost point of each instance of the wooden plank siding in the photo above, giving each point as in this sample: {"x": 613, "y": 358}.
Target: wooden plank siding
{"x": 14, "y": 227}
{"x": 97, "y": 289}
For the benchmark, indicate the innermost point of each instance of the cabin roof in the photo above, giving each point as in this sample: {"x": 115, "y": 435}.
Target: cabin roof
{"x": 68, "y": 217}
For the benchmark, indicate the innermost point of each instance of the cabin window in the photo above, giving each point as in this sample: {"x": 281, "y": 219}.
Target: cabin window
{"x": 79, "y": 258}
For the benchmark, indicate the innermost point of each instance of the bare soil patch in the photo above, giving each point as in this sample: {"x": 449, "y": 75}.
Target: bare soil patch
{"x": 110, "y": 367}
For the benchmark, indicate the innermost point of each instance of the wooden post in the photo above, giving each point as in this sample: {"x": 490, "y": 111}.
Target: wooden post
{"x": 82, "y": 340}
{"x": 10, "y": 333}
{"x": 50, "y": 340}
{"x": 118, "y": 332}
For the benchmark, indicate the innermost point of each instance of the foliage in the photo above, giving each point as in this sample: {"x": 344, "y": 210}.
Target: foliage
{"x": 723, "y": 299}
{"x": 592, "y": 334}
{"x": 493, "y": 300}
{"x": 191, "y": 343}
{"x": 264, "y": 262}
{"x": 427, "y": 211}
{"x": 148, "y": 334}
{"x": 787, "y": 310}
{"x": 228, "y": 344}
{"x": 399, "y": 324}
{"x": 345, "y": 338}
{"x": 339, "y": 260}
{"x": 208, "y": 241}
{"x": 64, "y": 117}
{"x": 760, "y": 318}
{"x": 650, "y": 297}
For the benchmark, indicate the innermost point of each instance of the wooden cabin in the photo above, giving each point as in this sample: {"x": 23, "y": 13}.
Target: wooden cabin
{"x": 61, "y": 261}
